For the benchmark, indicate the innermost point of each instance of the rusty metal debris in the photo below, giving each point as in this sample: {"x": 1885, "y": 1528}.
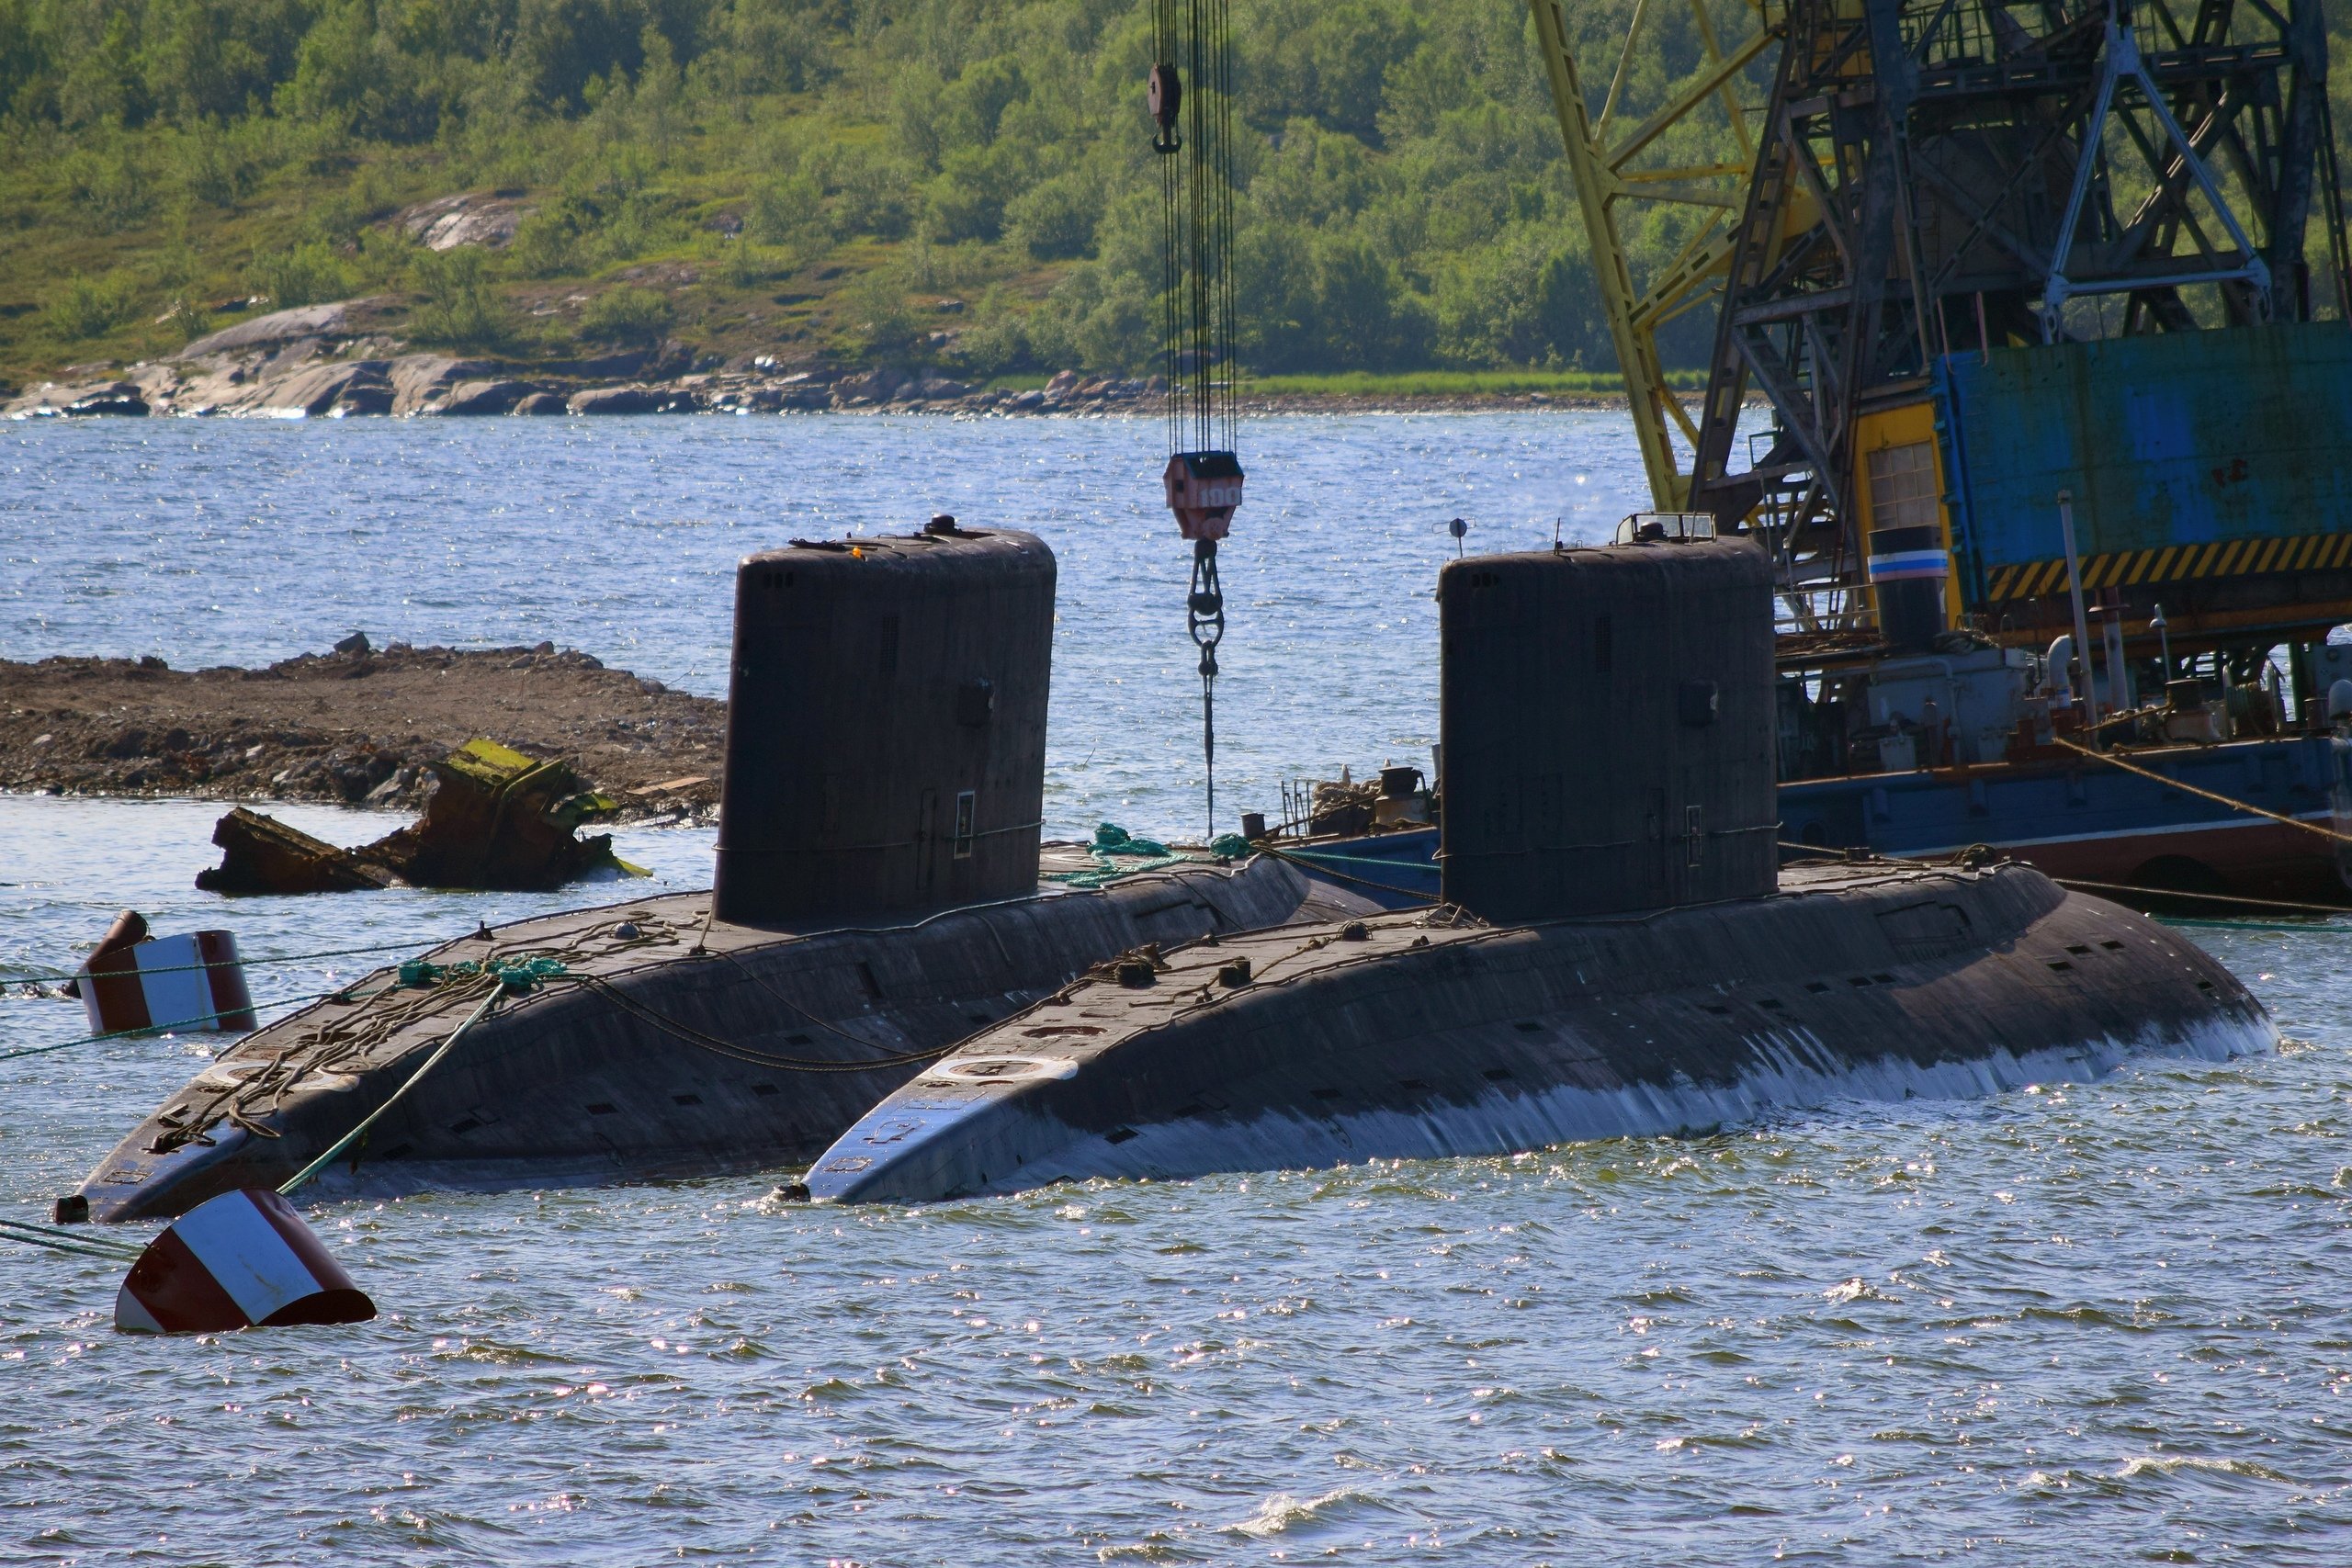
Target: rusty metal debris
{"x": 494, "y": 818}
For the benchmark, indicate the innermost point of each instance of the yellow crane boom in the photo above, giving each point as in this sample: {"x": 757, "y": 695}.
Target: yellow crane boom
{"x": 1619, "y": 172}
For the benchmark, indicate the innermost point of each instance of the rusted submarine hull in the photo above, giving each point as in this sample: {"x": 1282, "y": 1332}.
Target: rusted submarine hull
{"x": 1408, "y": 1036}
{"x": 673, "y": 1046}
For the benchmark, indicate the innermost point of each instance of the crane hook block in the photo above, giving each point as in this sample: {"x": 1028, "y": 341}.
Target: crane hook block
{"x": 1166, "y": 95}
{"x": 1204, "y": 488}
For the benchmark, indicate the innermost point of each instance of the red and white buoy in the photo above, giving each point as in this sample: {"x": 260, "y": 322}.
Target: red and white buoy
{"x": 242, "y": 1260}
{"x": 134, "y": 982}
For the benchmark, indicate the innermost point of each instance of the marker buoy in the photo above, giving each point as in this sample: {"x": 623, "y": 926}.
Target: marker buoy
{"x": 242, "y": 1260}
{"x": 174, "y": 982}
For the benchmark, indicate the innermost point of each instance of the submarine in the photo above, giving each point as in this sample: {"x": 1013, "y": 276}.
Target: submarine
{"x": 877, "y": 899}
{"x": 1618, "y": 952}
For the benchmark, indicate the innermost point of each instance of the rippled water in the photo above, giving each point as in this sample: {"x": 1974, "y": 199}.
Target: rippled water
{"x": 2097, "y": 1324}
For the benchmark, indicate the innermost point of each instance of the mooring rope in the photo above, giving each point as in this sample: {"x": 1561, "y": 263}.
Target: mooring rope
{"x": 480, "y": 1012}
{"x": 2110, "y": 758}
{"x": 240, "y": 962}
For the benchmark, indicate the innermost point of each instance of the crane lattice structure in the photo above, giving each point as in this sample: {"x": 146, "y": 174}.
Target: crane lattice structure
{"x": 1927, "y": 177}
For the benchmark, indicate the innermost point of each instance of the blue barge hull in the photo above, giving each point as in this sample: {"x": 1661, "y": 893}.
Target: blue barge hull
{"x": 2080, "y": 819}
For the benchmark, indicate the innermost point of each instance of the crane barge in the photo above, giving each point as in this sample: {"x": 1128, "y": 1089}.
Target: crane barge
{"x": 2044, "y": 307}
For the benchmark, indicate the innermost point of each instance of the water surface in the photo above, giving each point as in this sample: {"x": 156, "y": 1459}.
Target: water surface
{"x": 2102, "y": 1325}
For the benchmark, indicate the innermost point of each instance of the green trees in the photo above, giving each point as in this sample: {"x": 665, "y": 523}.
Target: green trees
{"x": 1402, "y": 204}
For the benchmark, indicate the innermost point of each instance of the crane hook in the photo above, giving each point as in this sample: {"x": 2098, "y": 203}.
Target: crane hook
{"x": 1165, "y": 94}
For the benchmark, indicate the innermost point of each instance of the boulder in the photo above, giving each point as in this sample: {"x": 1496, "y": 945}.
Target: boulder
{"x": 422, "y": 378}
{"x": 78, "y": 397}
{"x": 617, "y": 400}
{"x": 364, "y": 398}
{"x": 278, "y": 326}
{"x": 316, "y": 389}
{"x": 485, "y": 396}
{"x": 1029, "y": 401}
{"x": 1064, "y": 383}
{"x": 937, "y": 388}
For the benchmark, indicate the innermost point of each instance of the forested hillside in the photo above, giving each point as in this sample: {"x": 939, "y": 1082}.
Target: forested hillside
{"x": 961, "y": 180}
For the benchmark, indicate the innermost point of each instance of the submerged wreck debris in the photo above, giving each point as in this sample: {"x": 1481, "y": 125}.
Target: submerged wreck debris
{"x": 1619, "y": 954}
{"x": 495, "y": 818}
{"x": 261, "y": 854}
{"x": 879, "y": 900}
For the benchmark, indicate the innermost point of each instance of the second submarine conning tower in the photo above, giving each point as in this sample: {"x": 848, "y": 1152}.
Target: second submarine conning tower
{"x": 886, "y": 725}
{"x": 1609, "y": 730}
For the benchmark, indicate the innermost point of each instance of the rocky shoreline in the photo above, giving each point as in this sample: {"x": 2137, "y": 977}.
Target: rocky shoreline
{"x": 331, "y": 361}
{"x": 358, "y": 725}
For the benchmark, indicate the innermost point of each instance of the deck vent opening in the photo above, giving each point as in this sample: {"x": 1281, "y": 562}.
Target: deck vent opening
{"x": 1194, "y": 1108}
{"x": 2081, "y": 950}
{"x": 1115, "y": 1135}
{"x": 1325, "y": 1093}
{"x": 764, "y": 1089}
{"x": 686, "y": 1099}
{"x": 1718, "y": 1008}
{"x": 1816, "y": 985}
{"x": 1858, "y": 981}
{"x": 979, "y": 1018}
{"x": 797, "y": 1040}
{"x": 395, "y": 1152}
{"x": 1497, "y": 1074}
{"x": 2112, "y": 945}
{"x": 1528, "y": 1026}
{"x": 1883, "y": 979}
{"x": 2059, "y": 963}
{"x": 1770, "y": 1004}
{"x": 467, "y": 1126}
{"x": 2205, "y": 985}
{"x": 1419, "y": 1085}
{"x": 602, "y": 1108}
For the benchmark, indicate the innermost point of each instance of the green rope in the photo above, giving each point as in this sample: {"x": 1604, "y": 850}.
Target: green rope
{"x": 519, "y": 975}
{"x": 370, "y": 1120}
{"x": 1119, "y": 854}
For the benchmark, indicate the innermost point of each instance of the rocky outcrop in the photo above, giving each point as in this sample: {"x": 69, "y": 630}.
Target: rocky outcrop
{"x": 324, "y": 389}
{"x": 278, "y": 326}
{"x": 617, "y": 400}
{"x": 485, "y": 397}
{"x": 51, "y": 399}
{"x": 422, "y": 383}
{"x": 317, "y": 361}
{"x": 470, "y": 218}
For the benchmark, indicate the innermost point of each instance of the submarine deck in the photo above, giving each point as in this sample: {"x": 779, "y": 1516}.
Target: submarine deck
{"x": 672, "y": 1044}
{"x": 1427, "y": 1034}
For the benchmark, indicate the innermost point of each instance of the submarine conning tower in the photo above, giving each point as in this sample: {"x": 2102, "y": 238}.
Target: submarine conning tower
{"x": 1608, "y": 725}
{"x": 886, "y": 725}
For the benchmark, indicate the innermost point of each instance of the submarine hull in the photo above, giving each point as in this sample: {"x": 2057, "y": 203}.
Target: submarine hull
{"x": 1423, "y": 1036}
{"x": 674, "y": 1044}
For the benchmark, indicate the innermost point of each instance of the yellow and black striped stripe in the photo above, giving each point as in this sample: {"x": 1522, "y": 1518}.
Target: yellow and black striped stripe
{"x": 2173, "y": 563}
